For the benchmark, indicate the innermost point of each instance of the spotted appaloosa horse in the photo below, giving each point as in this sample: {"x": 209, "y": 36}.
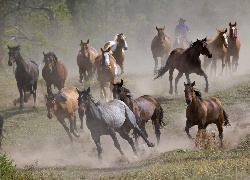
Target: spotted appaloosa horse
{"x": 233, "y": 47}
{"x": 160, "y": 47}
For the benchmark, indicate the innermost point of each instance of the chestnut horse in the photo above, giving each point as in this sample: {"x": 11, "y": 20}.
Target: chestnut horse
{"x": 233, "y": 47}
{"x": 218, "y": 47}
{"x": 203, "y": 112}
{"x": 186, "y": 61}
{"x": 117, "y": 47}
{"x": 107, "y": 119}
{"x": 54, "y": 72}
{"x": 26, "y": 75}
{"x": 160, "y": 47}
{"x": 85, "y": 61}
{"x": 144, "y": 107}
{"x": 63, "y": 105}
{"x": 105, "y": 65}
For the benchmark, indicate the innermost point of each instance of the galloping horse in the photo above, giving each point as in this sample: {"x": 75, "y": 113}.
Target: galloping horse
{"x": 85, "y": 61}
{"x": 105, "y": 64}
{"x": 114, "y": 116}
{"x": 26, "y": 74}
{"x": 203, "y": 112}
{"x": 54, "y": 72}
{"x": 63, "y": 105}
{"x": 186, "y": 61}
{"x": 117, "y": 47}
{"x": 160, "y": 47}
{"x": 233, "y": 47}
{"x": 144, "y": 107}
{"x": 218, "y": 47}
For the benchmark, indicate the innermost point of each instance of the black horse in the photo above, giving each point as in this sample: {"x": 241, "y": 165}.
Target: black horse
{"x": 114, "y": 116}
{"x": 26, "y": 74}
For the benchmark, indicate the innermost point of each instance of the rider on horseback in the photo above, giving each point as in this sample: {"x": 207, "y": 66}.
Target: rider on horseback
{"x": 181, "y": 31}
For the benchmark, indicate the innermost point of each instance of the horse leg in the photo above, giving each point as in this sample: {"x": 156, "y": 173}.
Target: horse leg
{"x": 235, "y": 62}
{"x": 20, "y": 89}
{"x": 156, "y": 64}
{"x": 229, "y": 64}
{"x": 72, "y": 125}
{"x": 34, "y": 93}
{"x": 223, "y": 63}
{"x": 136, "y": 136}
{"x": 81, "y": 114}
{"x": 157, "y": 131}
{"x": 80, "y": 75}
{"x": 202, "y": 73}
{"x": 171, "y": 71}
{"x": 180, "y": 74}
{"x": 219, "y": 125}
{"x": 213, "y": 67}
{"x": 188, "y": 126}
{"x": 75, "y": 128}
{"x": 144, "y": 136}
{"x": 66, "y": 128}
{"x": 125, "y": 136}
{"x": 96, "y": 139}
{"x": 116, "y": 143}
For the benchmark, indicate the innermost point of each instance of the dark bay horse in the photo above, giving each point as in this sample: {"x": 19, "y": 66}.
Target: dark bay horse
{"x": 26, "y": 74}
{"x": 186, "y": 61}
{"x": 218, "y": 47}
{"x": 160, "y": 47}
{"x": 85, "y": 61}
{"x": 63, "y": 105}
{"x": 203, "y": 112}
{"x": 117, "y": 47}
{"x": 233, "y": 47}
{"x": 105, "y": 65}
{"x": 114, "y": 116}
{"x": 54, "y": 71}
{"x": 144, "y": 107}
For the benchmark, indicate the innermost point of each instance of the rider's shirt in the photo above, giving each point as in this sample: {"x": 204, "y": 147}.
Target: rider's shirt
{"x": 182, "y": 29}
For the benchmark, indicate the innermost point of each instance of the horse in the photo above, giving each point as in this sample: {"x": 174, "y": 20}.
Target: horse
{"x": 203, "y": 112}
{"x": 144, "y": 107}
{"x": 160, "y": 47}
{"x": 107, "y": 119}
{"x": 218, "y": 47}
{"x": 233, "y": 47}
{"x": 85, "y": 61}
{"x": 63, "y": 105}
{"x": 54, "y": 72}
{"x": 186, "y": 61}
{"x": 180, "y": 42}
{"x": 105, "y": 65}
{"x": 118, "y": 45}
{"x": 26, "y": 74}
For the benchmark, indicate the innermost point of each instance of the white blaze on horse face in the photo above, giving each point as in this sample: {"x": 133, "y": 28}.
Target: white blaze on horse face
{"x": 116, "y": 71}
{"x": 225, "y": 38}
{"x": 106, "y": 56}
{"x": 233, "y": 29}
{"x": 125, "y": 44}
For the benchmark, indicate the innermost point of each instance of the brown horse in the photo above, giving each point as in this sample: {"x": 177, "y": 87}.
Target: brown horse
{"x": 144, "y": 107}
{"x": 160, "y": 47}
{"x": 203, "y": 112}
{"x": 233, "y": 47}
{"x": 186, "y": 61}
{"x": 63, "y": 105}
{"x": 218, "y": 47}
{"x": 105, "y": 64}
{"x": 117, "y": 47}
{"x": 85, "y": 61}
{"x": 26, "y": 75}
{"x": 54, "y": 72}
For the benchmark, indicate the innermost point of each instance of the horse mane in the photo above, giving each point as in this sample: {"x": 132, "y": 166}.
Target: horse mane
{"x": 198, "y": 93}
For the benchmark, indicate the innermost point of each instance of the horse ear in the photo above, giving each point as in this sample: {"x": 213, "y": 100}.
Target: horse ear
{"x": 101, "y": 49}
{"x": 121, "y": 82}
{"x": 43, "y": 53}
{"x": 78, "y": 90}
{"x": 185, "y": 84}
{"x": 225, "y": 30}
{"x": 193, "y": 84}
{"x": 164, "y": 28}
{"x": 9, "y": 47}
{"x": 88, "y": 90}
{"x": 156, "y": 28}
{"x": 87, "y": 41}
{"x": 230, "y": 24}
{"x": 235, "y": 23}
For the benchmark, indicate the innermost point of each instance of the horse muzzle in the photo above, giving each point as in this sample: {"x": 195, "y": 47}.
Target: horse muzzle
{"x": 126, "y": 48}
{"x": 226, "y": 45}
{"x": 188, "y": 101}
{"x": 49, "y": 116}
{"x": 209, "y": 56}
{"x": 9, "y": 63}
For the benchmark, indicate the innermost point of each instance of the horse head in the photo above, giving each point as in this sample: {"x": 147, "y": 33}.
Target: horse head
{"x": 189, "y": 92}
{"x": 222, "y": 34}
{"x": 83, "y": 99}
{"x": 233, "y": 30}
{"x": 121, "y": 39}
{"x": 106, "y": 53}
{"x": 202, "y": 47}
{"x": 161, "y": 34}
{"x": 13, "y": 54}
{"x": 85, "y": 48}
{"x": 50, "y": 103}
{"x": 117, "y": 90}
{"x": 50, "y": 61}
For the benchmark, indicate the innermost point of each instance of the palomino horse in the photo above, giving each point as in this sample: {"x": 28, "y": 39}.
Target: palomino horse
{"x": 114, "y": 116}
{"x": 54, "y": 72}
{"x": 203, "y": 112}
{"x": 85, "y": 61}
{"x": 233, "y": 47}
{"x": 218, "y": 47}
{"x": 63, "y": 105}
{"x": 117, "y": 47}
{"x": 160, "y": 47}
{"x": 186, "y": 61}
{"x": 144, "y": 107}
{"x": 26, "y": 74}
{"x": 106, "y": 68}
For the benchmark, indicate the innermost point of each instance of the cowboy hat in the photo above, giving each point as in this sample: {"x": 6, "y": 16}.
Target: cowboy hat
{"x": 182, "y": 20}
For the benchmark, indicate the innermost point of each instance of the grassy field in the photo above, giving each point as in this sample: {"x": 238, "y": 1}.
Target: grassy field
{"x": 41, "y": 149}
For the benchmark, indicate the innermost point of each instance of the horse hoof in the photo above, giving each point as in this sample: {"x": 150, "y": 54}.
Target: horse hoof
{"x": 206, "y": 90}
{"x": 170, "y": 92}
{"x": 151, "y": 145}
{"x": 81, "y": 127}
{"x": 80, "y": 80}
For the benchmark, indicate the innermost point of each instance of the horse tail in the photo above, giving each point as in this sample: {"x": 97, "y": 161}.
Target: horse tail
{"x": 161, "y": 122}
{"x": 226, "y": 118}
{"x": 164, "y": 69}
